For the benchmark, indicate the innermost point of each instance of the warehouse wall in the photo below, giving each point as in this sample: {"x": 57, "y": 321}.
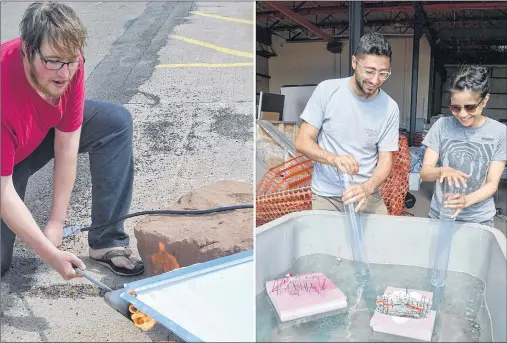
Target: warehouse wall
{"x": 311, "y": 63}
{"x": 497, "y": 104}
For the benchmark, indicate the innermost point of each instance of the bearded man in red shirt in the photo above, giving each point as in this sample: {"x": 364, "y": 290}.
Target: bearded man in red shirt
{"x": 45, "y": 116}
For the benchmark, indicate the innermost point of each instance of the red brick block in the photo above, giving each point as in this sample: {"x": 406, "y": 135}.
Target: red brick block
{"x": 169, "y": 242}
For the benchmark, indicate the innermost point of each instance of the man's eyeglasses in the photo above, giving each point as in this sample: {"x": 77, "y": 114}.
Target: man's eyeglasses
{"x": 370, "y": 73}
{"x": 57, "y": 65}
{"x": 456, "y": 109}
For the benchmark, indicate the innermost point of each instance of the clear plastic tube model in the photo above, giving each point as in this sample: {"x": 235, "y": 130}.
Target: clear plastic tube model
{"x": 356, "y": 233}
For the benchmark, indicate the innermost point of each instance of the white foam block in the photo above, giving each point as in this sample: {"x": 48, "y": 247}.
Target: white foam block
{"x": 304, "y": 295}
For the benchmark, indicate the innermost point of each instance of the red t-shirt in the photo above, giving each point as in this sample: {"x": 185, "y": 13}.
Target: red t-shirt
{"x": 26, "y": 116}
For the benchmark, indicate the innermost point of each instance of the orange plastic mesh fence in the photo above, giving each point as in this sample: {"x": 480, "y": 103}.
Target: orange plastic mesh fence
{"x": 272, "y": 206}
{"x": 286, "y": 188}
{"x": 295, "y": 173}
{"x": 394, "y": 190}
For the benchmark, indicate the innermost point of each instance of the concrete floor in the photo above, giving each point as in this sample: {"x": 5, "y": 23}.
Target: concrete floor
{"x": 423, "y": 199}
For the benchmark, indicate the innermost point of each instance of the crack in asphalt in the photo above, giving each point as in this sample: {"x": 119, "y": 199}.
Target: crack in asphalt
{"x": 152, "y": 97}
{"x": 59, "y": 291}
{"x": 28, "y": 308}
{"x": 133, "y": 57}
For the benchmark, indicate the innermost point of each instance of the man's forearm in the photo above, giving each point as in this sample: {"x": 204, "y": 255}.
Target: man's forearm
{"x": 20, "y": 221}
{"x": 313, "y": 151}
{"x": 380, "y": 174}
{"x": 64, "y": 178}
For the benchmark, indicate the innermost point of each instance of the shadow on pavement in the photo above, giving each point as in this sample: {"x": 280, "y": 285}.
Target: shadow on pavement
{"x": 26, "y": 323}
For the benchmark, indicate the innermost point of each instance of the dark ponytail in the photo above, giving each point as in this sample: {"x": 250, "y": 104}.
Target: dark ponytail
{"x": 470, "y": 78}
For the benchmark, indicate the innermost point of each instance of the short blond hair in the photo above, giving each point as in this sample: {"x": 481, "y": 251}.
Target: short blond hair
{"x": 56, "y": 23}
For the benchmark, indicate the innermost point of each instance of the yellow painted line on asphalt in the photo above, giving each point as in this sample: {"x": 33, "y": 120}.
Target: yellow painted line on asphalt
{"x": 236, "y": 20}
{"x": 215, "y": 47}
{"x": 204, "y": 65}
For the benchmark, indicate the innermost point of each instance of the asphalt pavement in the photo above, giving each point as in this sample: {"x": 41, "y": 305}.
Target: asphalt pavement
{"x": 185, "y": 72}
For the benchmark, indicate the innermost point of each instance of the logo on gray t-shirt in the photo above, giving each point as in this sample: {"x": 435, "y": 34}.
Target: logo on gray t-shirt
{"x": 471, "y": 158}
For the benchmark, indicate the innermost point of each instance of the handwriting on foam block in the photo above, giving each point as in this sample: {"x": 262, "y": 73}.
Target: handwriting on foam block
{"x": 295, "y": 285}
{"x": 304, "y": 295}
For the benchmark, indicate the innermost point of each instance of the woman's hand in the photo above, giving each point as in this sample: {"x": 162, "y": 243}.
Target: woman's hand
{"x": 453, "y": 176}
{"x": 457, "y": 201}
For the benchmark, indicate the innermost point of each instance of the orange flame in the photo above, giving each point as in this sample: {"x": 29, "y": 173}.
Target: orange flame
{"x": 140, "y": 319}
{"x": 163, "y": 261}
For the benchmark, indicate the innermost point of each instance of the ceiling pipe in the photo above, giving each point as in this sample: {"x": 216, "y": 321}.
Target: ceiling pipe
{"x": 312, "y": 4}
{"x": 467, "y": 5}
{"x": 492, "y": 5}
{"x": 404, "y": 22}
{"x": 345, "y": 37}
{"x": 334, "y": 10}
{"x": 300, "y": 20}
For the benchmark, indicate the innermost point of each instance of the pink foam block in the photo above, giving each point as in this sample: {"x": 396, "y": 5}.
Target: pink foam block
{"x": 304, "y": 295}
{"x": 421, "y": 329}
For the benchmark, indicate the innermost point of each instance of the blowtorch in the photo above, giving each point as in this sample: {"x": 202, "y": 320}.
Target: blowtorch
{"x": 111, "y": 297}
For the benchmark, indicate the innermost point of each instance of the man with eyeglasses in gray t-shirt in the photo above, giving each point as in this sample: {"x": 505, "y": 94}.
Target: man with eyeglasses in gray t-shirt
{"x": 351, "y": 126}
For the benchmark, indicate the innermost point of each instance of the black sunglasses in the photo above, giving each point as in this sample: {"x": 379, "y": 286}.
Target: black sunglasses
{"x": 469, "y": 108}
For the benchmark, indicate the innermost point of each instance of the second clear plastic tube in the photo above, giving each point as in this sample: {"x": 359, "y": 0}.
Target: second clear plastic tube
{"x": 445, "y": 232}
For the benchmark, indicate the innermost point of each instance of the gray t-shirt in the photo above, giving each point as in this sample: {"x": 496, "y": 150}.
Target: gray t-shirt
{"x": 470, "y": 150}
{"x": 350, "y": 125}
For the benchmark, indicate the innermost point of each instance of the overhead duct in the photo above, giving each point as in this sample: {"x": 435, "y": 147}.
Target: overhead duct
{"x": 334, "y": 47}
